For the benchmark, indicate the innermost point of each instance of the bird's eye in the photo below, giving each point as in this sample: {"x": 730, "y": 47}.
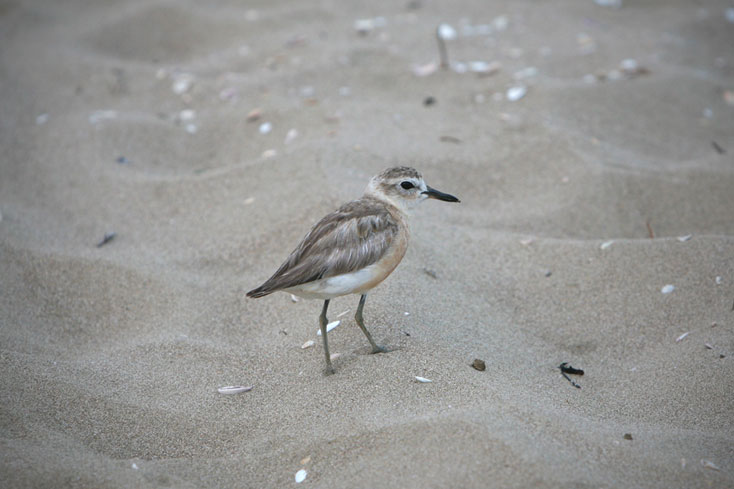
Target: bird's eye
{"x": 407, "y": 185}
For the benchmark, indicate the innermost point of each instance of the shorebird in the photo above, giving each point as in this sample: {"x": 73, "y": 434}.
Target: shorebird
{"x": 353, "y": 249}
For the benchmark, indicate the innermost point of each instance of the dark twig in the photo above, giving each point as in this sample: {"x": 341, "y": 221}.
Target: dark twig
{"x": 107, "y": 238}
{"x": 718, "y": 148}
{"x": 567, "y": 369}
{"x": 649, "y": 229}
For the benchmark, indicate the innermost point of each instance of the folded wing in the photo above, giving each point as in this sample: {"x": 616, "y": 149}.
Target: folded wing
{"x": 355, "y": 236}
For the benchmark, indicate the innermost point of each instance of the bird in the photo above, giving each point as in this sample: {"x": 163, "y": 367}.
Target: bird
{"x": 354, "y": 248}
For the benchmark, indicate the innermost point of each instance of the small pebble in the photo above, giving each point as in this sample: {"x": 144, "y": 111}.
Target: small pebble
{"x": 107, "y": 238}
{"x": 191, "y": 128}
{"x": 301, "y": 476}
{"x": 628, "y": 436}
{"x": 548, "y": 273}
{"x": 42, "y": 119}
{"x": 364, "y": 26}
{"x": 667, "y": 289}
{"x": 134, "y": 466}
{"x": 122, "y": 160}
{"x": 254, "y": 115}
{"x": 479, "y": 365}
{"x": 269, "y": 153}
{"x": 516, "y": 93}
{"x": 719, "y": 280}
{"x": 428, "y": 101}
{"x": 265, "y": 128}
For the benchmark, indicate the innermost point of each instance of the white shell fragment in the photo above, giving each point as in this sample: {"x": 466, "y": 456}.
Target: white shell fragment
{"x": 685, "y": 238}
{"x": 329, "y": 327}
{"x": 102, "y": 115}
{"x": 191, "y": 128}
{"x": 343, "y": 313}
{"x": 269, "y": 153}
{"x": 681, "y": 337}
{"x": 234, "y": 389}
{"x": 187, "y": 115}
{"x": 423, "y": 380}
{"x": 709, "y": 465}
{"x": 182, "y": 84}
{"x": 516, "y": 93}
{"x": 667, "y": 289}
{"x": 446, "y": 32}
{"x": 134, "y": 466}
{"x": 719, "y": 280}
{"x": 424, "y": 70}
{"x": 291, "y": 136}
{"x": 606, "y": 244}
{"x": 301, "y": 476}
{"x": 265, "y": 128}
{"x": 308, "y": 344}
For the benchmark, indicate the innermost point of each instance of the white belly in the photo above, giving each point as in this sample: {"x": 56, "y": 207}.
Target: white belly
{"x": 328, "y": 288}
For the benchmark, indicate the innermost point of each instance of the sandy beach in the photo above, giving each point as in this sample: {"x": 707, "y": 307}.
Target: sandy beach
{"x": 591, "y": 145}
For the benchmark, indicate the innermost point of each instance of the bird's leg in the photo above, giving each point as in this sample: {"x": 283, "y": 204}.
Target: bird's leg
{"x": 323, "y": 321}
{"x": 360, "y": 322}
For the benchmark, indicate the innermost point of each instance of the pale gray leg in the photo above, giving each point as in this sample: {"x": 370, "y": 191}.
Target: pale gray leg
{"x": 323, "y": 321}
{"x": 360, "y": 322}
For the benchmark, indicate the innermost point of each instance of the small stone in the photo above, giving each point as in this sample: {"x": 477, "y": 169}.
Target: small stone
{"x": 182, "y": 84}
{"x": 479, "y": 365}
{"x": 548, "y": 273}
{"x": 265, "y": 127}
{"x": 254, "y": 115}
{"x": 191, "y": 128}
{"x": 628, "y": 436}
{"x": 301, "y": 476}
{"x": 269, "y": 153}
{"x": 187, "y": 115}
{"x": 667, "y": 289}
{"x": 429, "y": 101}
{"x": 291, "y": 136}
{"x": 308, "y": 344}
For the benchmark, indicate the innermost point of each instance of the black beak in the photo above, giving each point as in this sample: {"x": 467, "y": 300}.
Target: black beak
{"x": 435, "y": 194}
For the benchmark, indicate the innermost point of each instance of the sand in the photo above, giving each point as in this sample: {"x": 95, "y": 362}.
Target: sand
{"x": 574, "y": 198}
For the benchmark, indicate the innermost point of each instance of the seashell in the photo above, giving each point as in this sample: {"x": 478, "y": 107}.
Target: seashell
{"x": 265, "y": 128}
{"x": 182, "y": 84}
{"x": 187, "y": 115}
{"x": 301, "y": 476}
{"x": 606, "y": 244}
{"x": 709, "y": 465}
{"x": 234, "y": 389}
{"x": 423, "y": 380}
{"x": 685, "y": 238}
{"x": 291, "y": 136}
{"x": 667, "y": 289}
{"x": 424, "y": 70}
{"x": 102, "y": 115}
{"x": 308, "y": 344}
{"x": 329, "y": 327}
{"x": 681, "y": 337}
{"x": 446, "y": 32}
{"x": 334, "y": 356}
{"x": 719, "y": 280}
{"x": 516, "y": 93}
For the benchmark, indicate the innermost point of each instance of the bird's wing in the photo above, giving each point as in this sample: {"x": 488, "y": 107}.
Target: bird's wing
{"x": 356, "y": 235}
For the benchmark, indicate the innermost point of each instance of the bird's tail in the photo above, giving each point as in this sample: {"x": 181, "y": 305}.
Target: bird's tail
{"x": 259, "y": 292}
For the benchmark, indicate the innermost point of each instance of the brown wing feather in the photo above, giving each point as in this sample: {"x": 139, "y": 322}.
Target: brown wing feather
{"x": 352, "y": 237}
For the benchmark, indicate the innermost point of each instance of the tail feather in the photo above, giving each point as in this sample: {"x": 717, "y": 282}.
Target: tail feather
{"x": 259, "y": 292}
